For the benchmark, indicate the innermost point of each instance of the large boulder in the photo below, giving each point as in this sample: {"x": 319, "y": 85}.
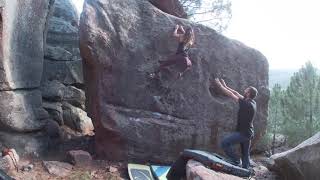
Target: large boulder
{"x": 301, "y": 162}
{"x": 140, "y": 118}
{"x": 173, "y": 7}
{"x": 22, "y": 31}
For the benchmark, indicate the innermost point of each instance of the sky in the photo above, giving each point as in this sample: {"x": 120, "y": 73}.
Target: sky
{"x": 287, "y": 32}
{"x": 79, "y": 4}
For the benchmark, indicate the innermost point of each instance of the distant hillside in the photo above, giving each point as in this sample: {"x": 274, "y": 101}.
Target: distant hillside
{"x": 280, "y": 76}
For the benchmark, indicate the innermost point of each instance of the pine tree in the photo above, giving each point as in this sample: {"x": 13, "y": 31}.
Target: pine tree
{"x": 275, "y": 118}
{"x": 301, "y": 104}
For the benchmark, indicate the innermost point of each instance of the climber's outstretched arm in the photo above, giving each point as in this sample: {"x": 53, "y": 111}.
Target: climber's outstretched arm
{"x": 230, "y": 89}
{"x": 226, "y": 91}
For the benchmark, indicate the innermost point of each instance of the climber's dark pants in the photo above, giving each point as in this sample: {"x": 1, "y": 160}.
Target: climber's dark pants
{"x": 181, "y": 61}
{"x": 230, "y": 141}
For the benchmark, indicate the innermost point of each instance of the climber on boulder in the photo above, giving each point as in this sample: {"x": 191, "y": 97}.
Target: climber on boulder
{"x": 244, "y": 132}
{"x": 181, "y": 58}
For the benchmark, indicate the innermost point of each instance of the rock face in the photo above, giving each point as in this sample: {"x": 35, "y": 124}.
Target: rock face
{"x": 62, "y": 38}
{"x": 137, "y": 117}
{"x": 62, "y": 78}
{"x": 21, "y": 110}
{"x": 301, "y": 162}
{"x": 62, "y": 57}
{"x": 172, "y": 7}
{"x": 197, "y": 171}
{"x": 22, "y": 46}
{"x": 22, "y": 26}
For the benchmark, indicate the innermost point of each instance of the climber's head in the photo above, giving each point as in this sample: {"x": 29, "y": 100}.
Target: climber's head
{"x": 251, "y": 92}
{"x": 189, "y": 36}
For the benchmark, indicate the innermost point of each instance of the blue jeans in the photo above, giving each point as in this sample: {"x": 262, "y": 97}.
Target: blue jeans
{"x": 228, "y": 147}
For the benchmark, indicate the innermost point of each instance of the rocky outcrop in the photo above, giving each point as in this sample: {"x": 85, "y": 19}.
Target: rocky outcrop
{"x": 66, "y": 106}
{"x": 301, "y": 162}
{"x": 62, "y": 57}
{"x": 137, "y": 117}
{"x": 22, "y": 26}
{"x": 62, "y": 78}
{"x": 62, "y": 38}
{"x": 172, "y": 7}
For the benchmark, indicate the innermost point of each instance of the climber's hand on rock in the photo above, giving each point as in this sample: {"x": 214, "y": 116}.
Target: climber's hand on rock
{"x": 223, "y": 83}
{"x": 218, "y": 83}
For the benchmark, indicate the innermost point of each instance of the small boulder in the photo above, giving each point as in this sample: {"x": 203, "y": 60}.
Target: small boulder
{"x": 9, "y": 160}
{"x": 77, "y": 119}
{"x": 79, "y": 158}
{"x": 57, "y": 168}
{"x": 74, "y": 96}
{"x": 197, "y": 171}
{"x": 27, "y": 168}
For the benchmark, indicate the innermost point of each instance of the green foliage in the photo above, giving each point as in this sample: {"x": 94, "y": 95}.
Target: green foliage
{"x": 275, "y": 111}
{"x": 275, "y": 106}
{"x": 213, "y": 13}
{"x": 294, "y": 112}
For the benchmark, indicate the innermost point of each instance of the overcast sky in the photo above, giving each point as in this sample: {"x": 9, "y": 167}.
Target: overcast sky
{"x": 287, "y": 32}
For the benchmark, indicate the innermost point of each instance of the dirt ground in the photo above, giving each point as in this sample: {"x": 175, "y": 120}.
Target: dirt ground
{"x": 103, "y": 170}
{"x": 97, "y": 170}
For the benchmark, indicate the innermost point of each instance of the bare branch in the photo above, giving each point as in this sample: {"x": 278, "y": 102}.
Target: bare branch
{"x": 217, "y": 11}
